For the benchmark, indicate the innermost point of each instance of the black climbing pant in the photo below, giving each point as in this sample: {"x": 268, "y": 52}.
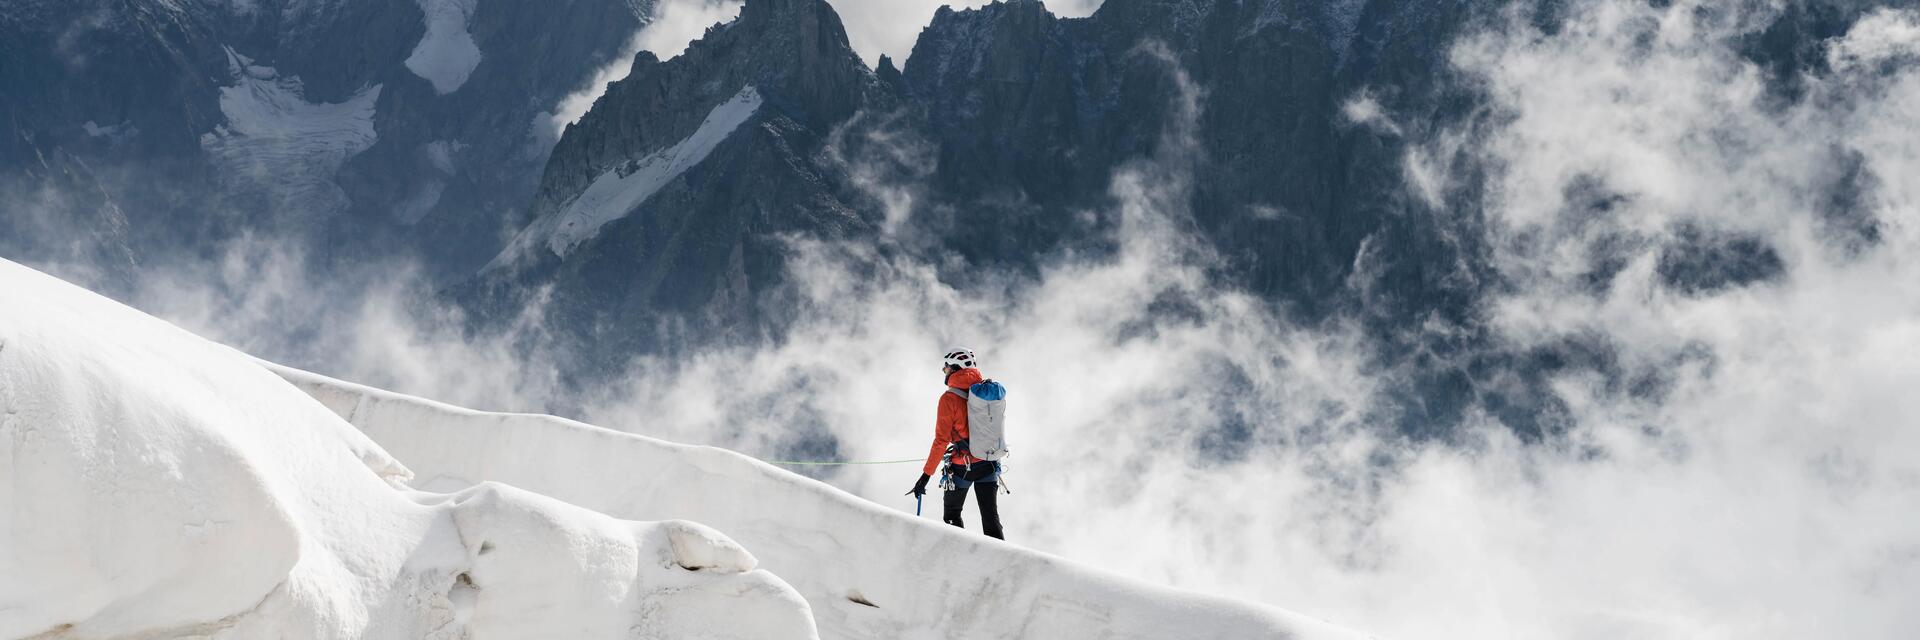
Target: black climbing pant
{"x": 985, "y": 493}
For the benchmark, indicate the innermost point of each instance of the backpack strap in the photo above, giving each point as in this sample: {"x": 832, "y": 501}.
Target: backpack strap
{"x": 958, "y": 392}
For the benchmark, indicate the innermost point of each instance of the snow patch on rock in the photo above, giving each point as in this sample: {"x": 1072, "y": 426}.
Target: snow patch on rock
{"x": 447, "y": 54}
{"x": 867, "y": 571}
{"x": 627, "y": 185}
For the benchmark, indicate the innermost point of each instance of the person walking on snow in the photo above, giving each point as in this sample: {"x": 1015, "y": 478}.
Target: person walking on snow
{"x": 950, "y": 442}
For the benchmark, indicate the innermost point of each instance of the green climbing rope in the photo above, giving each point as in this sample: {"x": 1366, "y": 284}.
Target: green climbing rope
{"x": 830, "y": 462}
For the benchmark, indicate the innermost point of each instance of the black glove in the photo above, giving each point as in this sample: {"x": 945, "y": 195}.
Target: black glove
{"x": 920, "y": 487}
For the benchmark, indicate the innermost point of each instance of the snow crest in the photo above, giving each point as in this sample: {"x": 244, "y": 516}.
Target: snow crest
{"x": 276, "y": 143}
{"x": 446, "y": 55}
{"x": 620, "y": 190}
{"x": 867, "y": 571}
{"x": 160, "y": 485}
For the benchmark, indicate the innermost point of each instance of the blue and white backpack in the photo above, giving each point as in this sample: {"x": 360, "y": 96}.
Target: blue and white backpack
{"x": 987, "y": 420}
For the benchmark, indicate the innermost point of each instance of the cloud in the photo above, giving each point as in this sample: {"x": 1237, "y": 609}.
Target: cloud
{"x": 1364, "y": 109}
{"x": 1744, "y": 495}
{"x": 673, "y": 25}
{"x": 1885, "y": 34}
{"x": 676, "y": 23}
{"x": 375, "y": 323}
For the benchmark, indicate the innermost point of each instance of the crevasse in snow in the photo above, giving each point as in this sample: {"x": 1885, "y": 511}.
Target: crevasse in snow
{"x": 446, "y": 55}
{"x": 627, "y": 185}
{"x": 158, "y": 485}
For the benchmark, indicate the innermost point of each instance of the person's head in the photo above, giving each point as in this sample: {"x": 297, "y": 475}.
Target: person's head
{"x": 958, "y": 358}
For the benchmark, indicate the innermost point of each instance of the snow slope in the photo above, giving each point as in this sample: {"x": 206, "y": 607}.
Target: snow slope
{"x": 160, "y": 485}
{"x": 625, "y": 187}
{"x": 867, "y": 571}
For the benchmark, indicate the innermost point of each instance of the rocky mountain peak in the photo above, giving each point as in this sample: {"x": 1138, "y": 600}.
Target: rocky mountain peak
{"x": 793, "y": 52}
{"x": 669, "y": 199}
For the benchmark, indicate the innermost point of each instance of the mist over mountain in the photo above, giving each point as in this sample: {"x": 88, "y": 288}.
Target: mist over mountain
{"x": 364, "y": 131}
{"x": 991, "y": 150}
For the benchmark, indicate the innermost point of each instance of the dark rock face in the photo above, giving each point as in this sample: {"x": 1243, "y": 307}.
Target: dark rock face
{"x": 1038, "y": 111}
{"x": 1700, "y": 262}
{"x": 135, "y": 91}
{"x": 697, "y": 258}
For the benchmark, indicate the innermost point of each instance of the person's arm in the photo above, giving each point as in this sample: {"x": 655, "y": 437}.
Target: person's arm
{"x": 942, "y": 425}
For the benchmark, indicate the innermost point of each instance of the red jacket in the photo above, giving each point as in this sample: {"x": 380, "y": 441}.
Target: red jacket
{"x": 950, "y": 423}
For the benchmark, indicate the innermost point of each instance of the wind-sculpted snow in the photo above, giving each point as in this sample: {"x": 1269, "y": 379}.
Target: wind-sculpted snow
{"x": 159, "y": 485}
{"x": 867, "y": 572}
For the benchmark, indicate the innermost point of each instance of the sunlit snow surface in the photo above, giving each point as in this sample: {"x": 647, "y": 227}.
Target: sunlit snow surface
{"x": 160, "y": 485}
{"x": 626, "y": 186}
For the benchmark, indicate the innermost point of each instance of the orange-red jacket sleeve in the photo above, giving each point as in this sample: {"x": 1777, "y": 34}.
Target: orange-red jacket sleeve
{"x": 945, "y": 422}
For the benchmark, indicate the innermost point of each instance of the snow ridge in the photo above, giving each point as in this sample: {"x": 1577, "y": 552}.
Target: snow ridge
{"x": 866, "y": 571}
{"x": 620, "y": 190}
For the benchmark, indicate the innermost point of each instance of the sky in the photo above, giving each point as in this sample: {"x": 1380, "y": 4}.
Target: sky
{"x": 1766, "y": 491}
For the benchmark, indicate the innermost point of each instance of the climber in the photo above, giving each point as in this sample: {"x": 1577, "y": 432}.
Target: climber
{"x": 963, "y": 469}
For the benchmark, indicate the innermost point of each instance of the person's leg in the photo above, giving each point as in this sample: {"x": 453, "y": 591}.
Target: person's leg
{"x": 955, "y": 499}
{"x": 988, "y": 494}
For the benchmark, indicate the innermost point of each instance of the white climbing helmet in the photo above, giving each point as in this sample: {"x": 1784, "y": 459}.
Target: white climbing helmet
{"x": 960, "y": 357}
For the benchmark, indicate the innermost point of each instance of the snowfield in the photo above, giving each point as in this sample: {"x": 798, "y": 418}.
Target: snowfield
{"x": 161, "y": 485}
